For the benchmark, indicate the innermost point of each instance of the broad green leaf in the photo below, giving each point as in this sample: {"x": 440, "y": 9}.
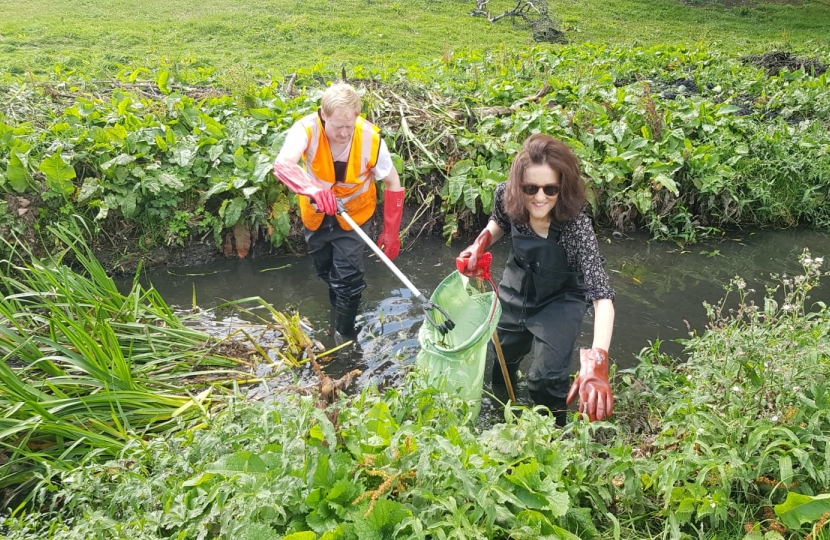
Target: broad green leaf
{"x": 668, "y": 183}
{"x": 120, "y": 159}
{"x": 59, "y": 174}
{"x": 239, "y": 159}
{"x": 619, "y": 129}
{"x": 470, "y": 195}
{"x": 234, "y": 211}
{"x": 152, "y": 184}
{"x": 213, "y": 127}
{"x": 399, "y": 164}
{"x": 728, "y": 109}
{"x": 183, "y": 155}
{"x": 381, "y": 521}
{"x": 336, "y": 534}
{"x": 128, "y": 204}
{"x": 261, "y": 531}
{"x": 525, "y": 474}
{"x": 450, "y": 226}
{"x": 239, "y": 462}
{"x": 215, "y": 151}
{"x": 163, "y": 81}
{"x": 642, "y": 200}
{"x": 17, "y": 173}
{"x": 456, "y": 188}
{"x": 343, "y": 492}
{"x": 171, "y": 181}
{"x": 283, "y": 224}
{"x": 218, "y": 187}
{"x": 279, "y": 140}
{"x": 799, "y": 509}
{"x": 462, "y": 167}
{"x": 200, "y": 479}
{"x": 785, "y": 467}
{"x": 579, "y": 521}
{"x": 563, "y": 534}
{"x": 304, "y": 535}
{"x": 116, "y": 133}
{"x": 263, "y": 113}
{"x": 124, "y": 105}
{"x": 262, "y": 169}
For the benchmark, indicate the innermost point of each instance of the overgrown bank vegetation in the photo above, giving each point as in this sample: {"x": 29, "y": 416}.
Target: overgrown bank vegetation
{"x": 679, "y": 141}
{"x": 730, "y": 443}
{"x": 119, "y": 419}
{"x": 85, "y": 369}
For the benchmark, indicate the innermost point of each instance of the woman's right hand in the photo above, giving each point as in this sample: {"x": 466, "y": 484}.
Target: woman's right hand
{"x": 471, "y": 261}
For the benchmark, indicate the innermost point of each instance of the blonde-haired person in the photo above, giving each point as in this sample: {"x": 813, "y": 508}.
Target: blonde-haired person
{"x": 553, "y": 273}
{"x": 342, "y": 156}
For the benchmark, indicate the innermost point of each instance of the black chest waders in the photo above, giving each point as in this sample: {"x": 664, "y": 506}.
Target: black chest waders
{"x": 543, "y": 304}
{"x": 338, "y": 260}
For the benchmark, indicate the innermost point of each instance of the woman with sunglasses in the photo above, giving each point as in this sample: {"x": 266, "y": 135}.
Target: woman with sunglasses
{"x": 553, "y": 273}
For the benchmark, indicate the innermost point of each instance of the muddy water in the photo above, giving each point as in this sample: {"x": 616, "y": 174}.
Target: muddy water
{"x": 660, "y": 288}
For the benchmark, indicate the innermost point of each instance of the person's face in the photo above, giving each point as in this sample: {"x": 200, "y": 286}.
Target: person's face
{"x": 539, "y": 204}
{"x": 339, "y": 125}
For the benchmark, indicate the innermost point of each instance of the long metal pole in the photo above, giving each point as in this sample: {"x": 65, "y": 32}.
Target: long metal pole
{"x": 379, "y": 252}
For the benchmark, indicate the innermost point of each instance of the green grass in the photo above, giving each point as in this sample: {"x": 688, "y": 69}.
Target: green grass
{"x": 280, "y": 36}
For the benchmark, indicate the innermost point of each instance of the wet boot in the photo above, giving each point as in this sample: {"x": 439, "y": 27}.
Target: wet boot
{"x": 345, "y": 313}
{"x": 498, "y": 376}
{"x": 332, "y": 311}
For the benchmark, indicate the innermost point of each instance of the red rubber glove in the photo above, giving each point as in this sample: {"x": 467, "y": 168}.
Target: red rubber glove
{"x": 595, "y": 398}
{"x": 301, "y": 183}
{"x": 390, "y": 240}
{"x": 470, "y": 262}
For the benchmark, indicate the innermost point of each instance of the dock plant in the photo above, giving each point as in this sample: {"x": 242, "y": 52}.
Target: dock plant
{"x": 680, "y": 141}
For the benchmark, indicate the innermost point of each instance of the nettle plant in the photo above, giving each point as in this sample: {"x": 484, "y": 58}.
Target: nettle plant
{"x": 735, "y": 438}
{"x": 402, "y": 463}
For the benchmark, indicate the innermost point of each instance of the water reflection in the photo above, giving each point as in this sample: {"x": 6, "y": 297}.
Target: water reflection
{"x": 659, "y": 287}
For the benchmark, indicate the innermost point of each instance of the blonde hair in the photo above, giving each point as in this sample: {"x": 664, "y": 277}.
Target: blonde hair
{"x": 340, "y": 96}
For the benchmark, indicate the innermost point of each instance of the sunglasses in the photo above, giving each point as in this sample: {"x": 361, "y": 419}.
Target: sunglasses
{"x": 551, "y": 190}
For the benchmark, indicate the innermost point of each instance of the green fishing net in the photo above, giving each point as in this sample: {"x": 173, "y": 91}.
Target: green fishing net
{"x": 455, "y": 361}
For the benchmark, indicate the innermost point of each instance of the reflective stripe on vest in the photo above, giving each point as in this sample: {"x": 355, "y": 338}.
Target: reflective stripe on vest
{"x": 357, "y": 191}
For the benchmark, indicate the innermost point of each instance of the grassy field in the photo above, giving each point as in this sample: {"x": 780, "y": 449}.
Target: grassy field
{"x": 279, "y": 36}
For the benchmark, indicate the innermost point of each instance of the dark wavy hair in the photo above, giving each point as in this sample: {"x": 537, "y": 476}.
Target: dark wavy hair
{"x": 540, "y": 149}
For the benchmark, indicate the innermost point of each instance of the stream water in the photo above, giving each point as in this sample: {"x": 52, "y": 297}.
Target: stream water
{"x": 660, "y": 287}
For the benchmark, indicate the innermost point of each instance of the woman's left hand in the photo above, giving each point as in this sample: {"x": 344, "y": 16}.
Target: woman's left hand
{"x": 595, "y": 398}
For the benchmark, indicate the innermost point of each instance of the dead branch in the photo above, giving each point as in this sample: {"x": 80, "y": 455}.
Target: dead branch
{"x": 505, "y": 111}
{"x": 533, "y": 13}
{"x": 521, "y": 9}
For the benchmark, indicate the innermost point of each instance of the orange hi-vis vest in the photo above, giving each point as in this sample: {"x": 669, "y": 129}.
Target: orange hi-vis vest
{"x": 357, "y": 191}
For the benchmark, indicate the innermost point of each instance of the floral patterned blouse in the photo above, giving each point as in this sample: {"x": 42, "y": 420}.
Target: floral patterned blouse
{"x": 579, "y": 241}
